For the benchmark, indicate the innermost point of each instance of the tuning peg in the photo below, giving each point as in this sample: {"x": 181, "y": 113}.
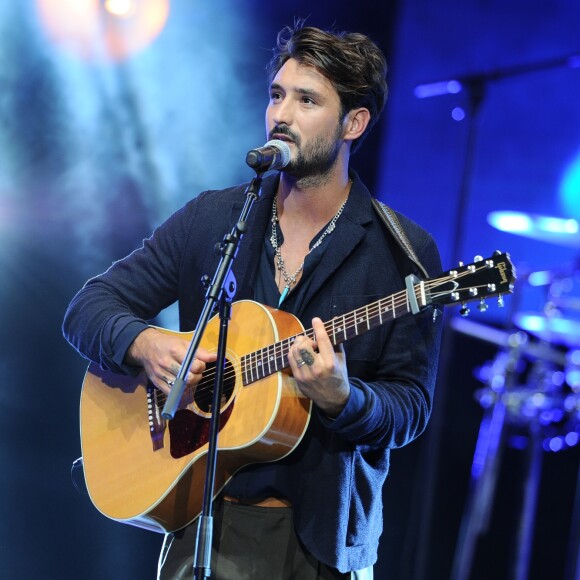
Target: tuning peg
{"x": 500, "y": 301}
{"x": 464, "y": 311}
{"x": 478, "y": 259}
{"x": 482, "y": 306}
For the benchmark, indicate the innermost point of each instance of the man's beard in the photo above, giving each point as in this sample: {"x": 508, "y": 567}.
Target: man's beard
{"x": 314, "y": 161}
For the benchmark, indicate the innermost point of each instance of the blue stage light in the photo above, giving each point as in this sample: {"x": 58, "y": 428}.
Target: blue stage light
{"x": 570, "y": 189}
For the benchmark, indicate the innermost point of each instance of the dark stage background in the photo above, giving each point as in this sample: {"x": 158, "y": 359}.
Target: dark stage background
{"x": 113, "y": 114}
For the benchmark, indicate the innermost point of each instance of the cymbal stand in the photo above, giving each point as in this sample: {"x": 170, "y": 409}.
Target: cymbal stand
{"x": 485, "y": 465}
{"x": 530, "y": 502}
{"x": 572, "y": 571}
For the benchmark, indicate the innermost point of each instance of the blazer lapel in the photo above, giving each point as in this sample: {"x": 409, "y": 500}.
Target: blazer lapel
{"x": 349, "y": 233}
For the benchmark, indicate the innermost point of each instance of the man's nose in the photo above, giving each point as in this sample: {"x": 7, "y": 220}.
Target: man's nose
{"x": 283, "y": 113}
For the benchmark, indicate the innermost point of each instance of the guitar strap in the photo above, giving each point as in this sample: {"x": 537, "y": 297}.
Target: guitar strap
{"x": 389, "y": 218}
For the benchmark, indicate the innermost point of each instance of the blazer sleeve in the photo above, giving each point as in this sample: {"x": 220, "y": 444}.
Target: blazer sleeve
{"x": 112, "y": 308}
{"x": 393, "y": 408}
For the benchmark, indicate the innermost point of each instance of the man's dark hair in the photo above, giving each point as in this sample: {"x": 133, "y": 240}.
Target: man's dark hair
{"x": 352, "y": 62}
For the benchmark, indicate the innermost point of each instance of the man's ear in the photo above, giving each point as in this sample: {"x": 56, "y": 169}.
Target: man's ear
{"x": 355, "y": 123}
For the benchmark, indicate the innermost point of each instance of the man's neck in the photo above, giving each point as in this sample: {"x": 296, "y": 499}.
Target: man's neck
{"x": 312, "y": 200}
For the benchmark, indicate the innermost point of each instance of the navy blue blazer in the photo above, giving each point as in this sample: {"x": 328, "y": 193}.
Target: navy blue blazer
{"x": 335, "y": 475}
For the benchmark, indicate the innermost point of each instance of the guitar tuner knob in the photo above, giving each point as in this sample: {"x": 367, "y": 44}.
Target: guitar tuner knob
{"x": 500, "y": 302}
{"x": 482, "y": 306}
{"x": 464, "y": 311}
{"x": 478, "y": 259}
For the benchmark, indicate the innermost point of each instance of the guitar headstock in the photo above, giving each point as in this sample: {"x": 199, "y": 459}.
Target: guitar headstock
{"x": 482, "y": 279}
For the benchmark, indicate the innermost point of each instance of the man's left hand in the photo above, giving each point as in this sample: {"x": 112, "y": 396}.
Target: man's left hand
{"x": 320, "y": 370}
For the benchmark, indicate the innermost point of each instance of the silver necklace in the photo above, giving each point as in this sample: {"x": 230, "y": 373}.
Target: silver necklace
{"x": 290, "y": 279}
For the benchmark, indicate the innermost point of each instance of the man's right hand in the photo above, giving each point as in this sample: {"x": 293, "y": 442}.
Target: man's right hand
{"x": 161, "y": 355}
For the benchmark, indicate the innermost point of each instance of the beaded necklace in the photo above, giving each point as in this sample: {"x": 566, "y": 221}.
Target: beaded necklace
{"x": 290, "y": 279}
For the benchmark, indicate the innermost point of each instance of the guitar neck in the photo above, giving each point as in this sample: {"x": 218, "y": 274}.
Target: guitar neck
{"x": 274, "y": 358}
{"x": 479, "y": 280}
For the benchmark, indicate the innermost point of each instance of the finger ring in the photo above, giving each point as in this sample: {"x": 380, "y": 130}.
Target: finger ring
{"x": 170, "y": 383}
{"x": 300, "y": 363}
{"x": 307, "y": 357}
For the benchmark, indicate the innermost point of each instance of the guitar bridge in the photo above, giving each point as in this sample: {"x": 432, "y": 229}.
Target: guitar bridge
{"x": 156, "y": 421}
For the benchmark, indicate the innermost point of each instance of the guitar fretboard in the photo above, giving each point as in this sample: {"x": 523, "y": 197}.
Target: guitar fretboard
{"x": 274, "y": 358}
{"x": 477, "y": 281}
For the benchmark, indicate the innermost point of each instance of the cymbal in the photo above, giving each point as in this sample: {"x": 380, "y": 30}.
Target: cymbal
{"x": 554, "y": 230}
{"x": 513, "y": 339}
{"x": 553, "y": 329}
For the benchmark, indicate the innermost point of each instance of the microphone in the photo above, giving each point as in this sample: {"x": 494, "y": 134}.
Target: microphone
{"x": 275, "y": 154}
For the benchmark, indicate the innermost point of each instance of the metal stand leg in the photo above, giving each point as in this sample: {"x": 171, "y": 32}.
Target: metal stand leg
{"x": 486, "y": 462}
{"x": 573, "y": 560}
{"x": 528, "y": 512}
{"x": 484, "y": 471}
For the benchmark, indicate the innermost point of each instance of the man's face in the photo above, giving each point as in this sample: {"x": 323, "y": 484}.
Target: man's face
{"x": 304, "y": 110}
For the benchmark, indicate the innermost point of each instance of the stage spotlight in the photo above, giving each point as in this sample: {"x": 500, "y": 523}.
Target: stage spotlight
{"x": 103, "y": 30}
{"x": 570, "y": 189}
{"x": 120, "y": 8}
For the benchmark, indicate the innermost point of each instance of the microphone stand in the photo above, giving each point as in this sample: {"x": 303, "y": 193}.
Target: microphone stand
{"x": 222, "y": 289}
{"x": 475, "y": 86}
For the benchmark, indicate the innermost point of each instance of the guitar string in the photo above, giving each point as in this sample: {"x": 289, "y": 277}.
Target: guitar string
{"x": 283, "y": 350}
{"x": 374, "y": 310}
{"x": 203, "y": 391}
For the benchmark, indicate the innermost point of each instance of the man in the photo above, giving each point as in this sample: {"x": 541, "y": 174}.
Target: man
{"x": 317, "y": 248}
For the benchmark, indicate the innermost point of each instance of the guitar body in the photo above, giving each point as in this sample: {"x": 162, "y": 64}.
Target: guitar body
{"x": 151, "y": 473}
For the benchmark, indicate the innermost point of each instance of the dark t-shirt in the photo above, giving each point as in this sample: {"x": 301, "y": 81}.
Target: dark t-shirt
{"x": 259, "y": 481}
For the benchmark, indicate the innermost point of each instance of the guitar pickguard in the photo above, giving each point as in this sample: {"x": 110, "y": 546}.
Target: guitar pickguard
{"x": 189, "y": 429}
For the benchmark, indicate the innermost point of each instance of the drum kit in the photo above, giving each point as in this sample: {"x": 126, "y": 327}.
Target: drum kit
{"x": 530, "y": 396}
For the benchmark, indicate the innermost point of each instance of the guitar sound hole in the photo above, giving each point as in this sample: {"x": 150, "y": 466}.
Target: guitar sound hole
{"x": 205, "y": 389}
{"x": 189, "y": 430}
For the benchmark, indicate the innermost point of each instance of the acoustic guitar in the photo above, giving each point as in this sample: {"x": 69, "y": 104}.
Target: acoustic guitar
{"x": 143, "y": 470}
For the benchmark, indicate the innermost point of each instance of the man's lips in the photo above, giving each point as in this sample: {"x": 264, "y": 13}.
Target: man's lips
{"x": 282, "y": 137}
